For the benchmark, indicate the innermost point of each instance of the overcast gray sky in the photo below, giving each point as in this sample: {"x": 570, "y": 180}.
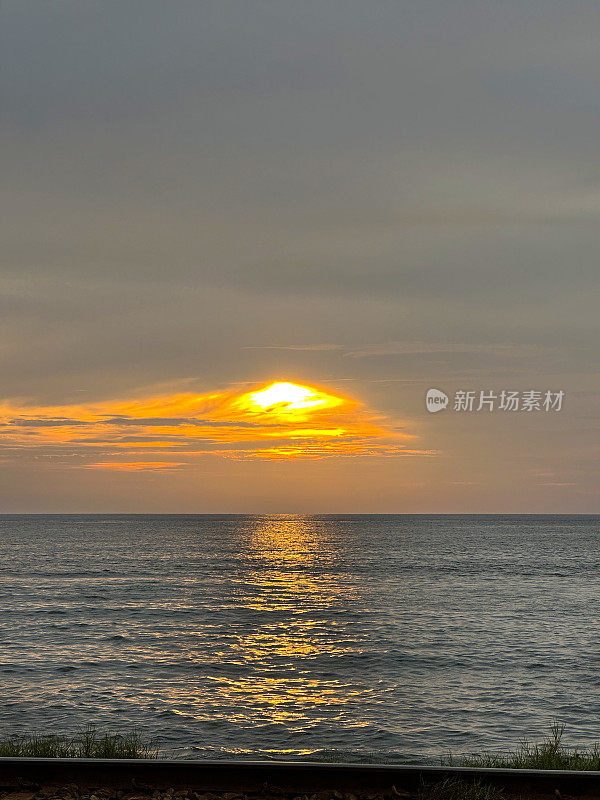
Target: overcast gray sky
{"x": 372, "y": 197}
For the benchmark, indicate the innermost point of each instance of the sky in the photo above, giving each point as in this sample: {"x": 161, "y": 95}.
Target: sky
{"x": 359, "y": 201}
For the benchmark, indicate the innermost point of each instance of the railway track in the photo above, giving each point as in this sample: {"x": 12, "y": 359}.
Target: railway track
{"x": 273, "y": 778}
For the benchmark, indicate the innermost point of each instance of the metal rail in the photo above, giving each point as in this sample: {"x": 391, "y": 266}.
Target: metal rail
{"x": 282, "y": 777}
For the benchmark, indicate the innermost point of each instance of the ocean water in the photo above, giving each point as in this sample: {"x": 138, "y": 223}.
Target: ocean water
{"x": 398, "y": 638}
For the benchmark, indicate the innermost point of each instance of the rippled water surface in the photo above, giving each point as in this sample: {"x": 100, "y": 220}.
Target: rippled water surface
{"x": 347, "y": 637}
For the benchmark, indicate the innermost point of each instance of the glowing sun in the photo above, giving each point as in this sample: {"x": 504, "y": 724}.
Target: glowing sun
{"x": 284, "y": 397}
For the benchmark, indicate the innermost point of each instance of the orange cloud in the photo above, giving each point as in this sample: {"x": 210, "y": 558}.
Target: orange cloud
{"x": 282, "y": 420}
{"x": 136, "y": 466}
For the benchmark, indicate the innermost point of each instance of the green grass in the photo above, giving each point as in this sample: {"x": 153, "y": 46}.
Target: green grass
{"x": 550, "y": 754}
{"x": 88, "y": 744}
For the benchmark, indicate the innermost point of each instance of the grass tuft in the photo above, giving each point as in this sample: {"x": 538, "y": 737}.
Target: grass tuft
{"x": 88, "y": 744}
{"x": 551, "y": 754}
{"x": 459, "y": 789}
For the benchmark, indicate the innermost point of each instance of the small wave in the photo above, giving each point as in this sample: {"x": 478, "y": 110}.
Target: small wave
{"x": 59, "y": 611}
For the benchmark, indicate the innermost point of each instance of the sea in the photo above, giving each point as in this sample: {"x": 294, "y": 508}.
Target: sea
{"x": 398, "y": 638}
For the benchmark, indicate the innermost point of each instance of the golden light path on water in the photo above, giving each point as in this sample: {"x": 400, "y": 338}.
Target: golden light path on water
{"x": 291, "y": 603}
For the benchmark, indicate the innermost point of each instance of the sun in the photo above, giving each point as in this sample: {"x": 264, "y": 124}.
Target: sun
{"x": 293, "y": 395}
{"x": 284, "y": 397}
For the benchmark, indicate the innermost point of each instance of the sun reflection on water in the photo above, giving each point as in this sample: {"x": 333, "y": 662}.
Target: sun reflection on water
{"x": 291, "y": 648}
